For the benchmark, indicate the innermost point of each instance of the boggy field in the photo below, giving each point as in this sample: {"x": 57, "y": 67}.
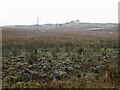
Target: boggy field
{"x": 59, "y": 59}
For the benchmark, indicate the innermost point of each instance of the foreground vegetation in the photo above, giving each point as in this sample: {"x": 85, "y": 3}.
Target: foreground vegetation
{"x": 59, "y": 59}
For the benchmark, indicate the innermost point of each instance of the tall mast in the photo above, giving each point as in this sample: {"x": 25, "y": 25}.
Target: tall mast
{"x": 37, "y": 23}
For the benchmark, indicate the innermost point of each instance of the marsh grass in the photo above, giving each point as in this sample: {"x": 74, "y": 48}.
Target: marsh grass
{"x": 59, "y": 59}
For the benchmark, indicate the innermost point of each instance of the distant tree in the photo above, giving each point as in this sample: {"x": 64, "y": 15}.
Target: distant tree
{"x": 77, "y": 21}
{"x": 72, "y": 21}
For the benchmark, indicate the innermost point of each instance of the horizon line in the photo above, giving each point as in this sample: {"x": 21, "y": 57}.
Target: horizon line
{"x": 63, "y": 23}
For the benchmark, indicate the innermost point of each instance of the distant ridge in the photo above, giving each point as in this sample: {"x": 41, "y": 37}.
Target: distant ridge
{"x": 72, "y": 25}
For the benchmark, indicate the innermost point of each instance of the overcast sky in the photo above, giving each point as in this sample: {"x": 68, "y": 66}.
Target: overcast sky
{"x": 19, "y": 12}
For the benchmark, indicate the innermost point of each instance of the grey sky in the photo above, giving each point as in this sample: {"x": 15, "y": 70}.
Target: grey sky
{"x": 57, "y": 11}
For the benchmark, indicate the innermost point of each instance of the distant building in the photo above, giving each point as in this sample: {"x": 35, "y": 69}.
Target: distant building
{"x": 77, "y": 21}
